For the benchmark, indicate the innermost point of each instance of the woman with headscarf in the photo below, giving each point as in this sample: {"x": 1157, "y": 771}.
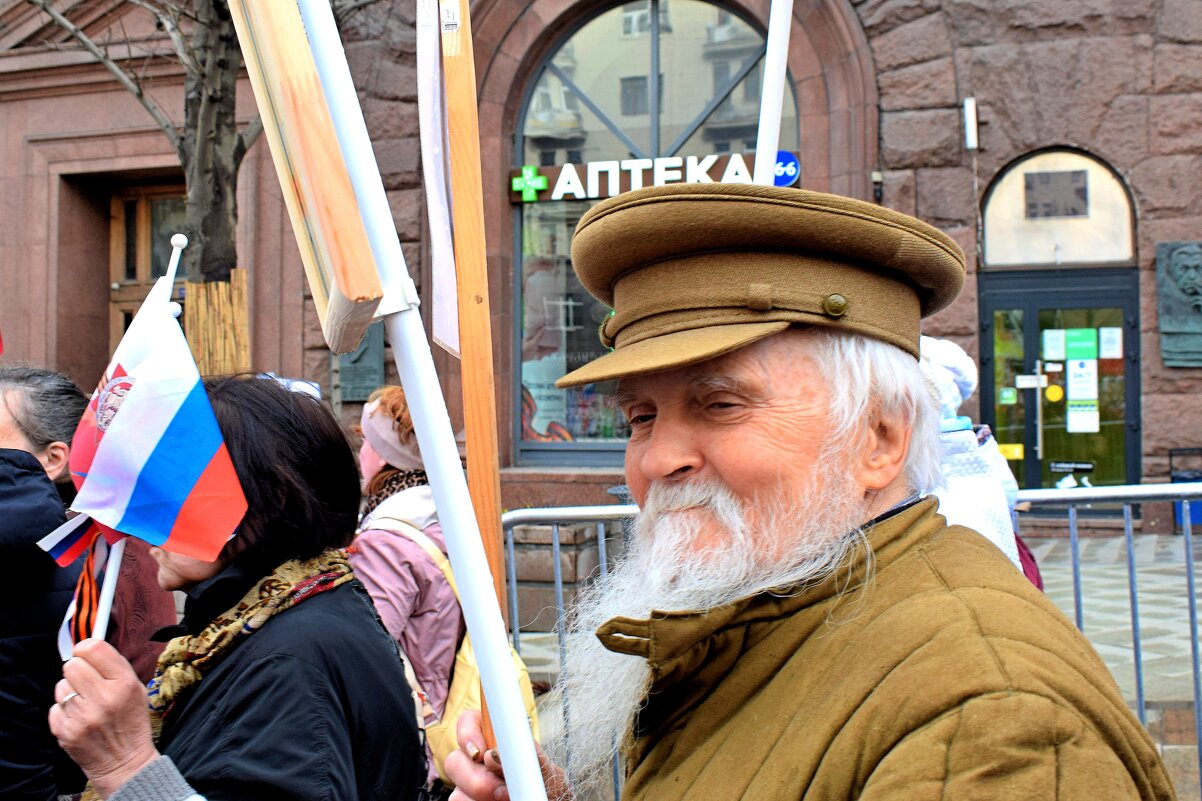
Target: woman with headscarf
{"x": 414, "y": 599}
{"x": 281, "y": 682}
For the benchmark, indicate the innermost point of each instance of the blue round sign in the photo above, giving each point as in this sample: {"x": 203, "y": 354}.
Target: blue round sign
{"x": 788, "y": 169}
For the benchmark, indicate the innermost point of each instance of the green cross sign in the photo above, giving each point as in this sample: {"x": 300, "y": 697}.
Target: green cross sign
{"x": 529, "y": 184}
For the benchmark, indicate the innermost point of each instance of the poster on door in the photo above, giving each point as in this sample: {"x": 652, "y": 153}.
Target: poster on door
{"x": 1081, "y": 381}
{"x": 1110, "y": 343}
{"x": 1054, "y": 345}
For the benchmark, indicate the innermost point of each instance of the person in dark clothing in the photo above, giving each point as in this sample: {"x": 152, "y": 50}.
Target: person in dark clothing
{"x": 281, "y": 682}
{"x": 39, "y": 412}
{"x": 33, "y": 598}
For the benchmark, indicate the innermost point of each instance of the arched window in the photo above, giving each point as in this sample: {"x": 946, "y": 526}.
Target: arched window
{"x": 1059, "y": 313}
{"x": 642, "y": 93}
{"x": 1058, "y": 208}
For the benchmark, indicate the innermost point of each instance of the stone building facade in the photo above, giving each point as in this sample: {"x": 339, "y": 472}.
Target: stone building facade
{"x": 1121, "y": 81}
{"x": 875, "y": 110}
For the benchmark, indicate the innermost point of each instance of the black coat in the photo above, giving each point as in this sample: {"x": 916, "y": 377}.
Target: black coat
{"x": 314, "y": 705}
{"x": 34, "y": 595}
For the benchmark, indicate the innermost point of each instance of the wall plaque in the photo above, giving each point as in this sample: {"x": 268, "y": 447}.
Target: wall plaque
{"x": 362, "y": 370}
{"x": 1179, "y": 294}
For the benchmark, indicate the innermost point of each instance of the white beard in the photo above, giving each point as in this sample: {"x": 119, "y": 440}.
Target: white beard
{"x": 693, "y": 549}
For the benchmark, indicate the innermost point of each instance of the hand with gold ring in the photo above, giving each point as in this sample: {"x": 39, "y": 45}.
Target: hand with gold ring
{"x": 100, "y": 717}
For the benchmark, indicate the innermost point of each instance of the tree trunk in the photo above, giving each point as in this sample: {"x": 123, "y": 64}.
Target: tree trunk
{"x": 211, "y": 150}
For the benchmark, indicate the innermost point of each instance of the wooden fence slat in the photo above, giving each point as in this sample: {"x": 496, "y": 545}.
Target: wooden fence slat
{"x": 217, "y": 323}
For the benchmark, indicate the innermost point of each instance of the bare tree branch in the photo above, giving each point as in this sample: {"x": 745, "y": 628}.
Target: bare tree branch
{"x": 209, "y": 140}
{"x": 168, "y": 18}
{"x": 131, "y": 85}
{"x": 247, "y": 137}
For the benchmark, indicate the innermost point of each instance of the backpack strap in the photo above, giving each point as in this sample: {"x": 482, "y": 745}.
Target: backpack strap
{"x": 412, "y": 532}
{"x": 420, "y": 699}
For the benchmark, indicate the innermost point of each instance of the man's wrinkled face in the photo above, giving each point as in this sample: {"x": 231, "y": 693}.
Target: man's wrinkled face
{"x": 755, "y": 420}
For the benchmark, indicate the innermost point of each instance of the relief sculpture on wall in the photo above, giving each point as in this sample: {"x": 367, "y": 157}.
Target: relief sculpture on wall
{"x": 1179, "y": 293}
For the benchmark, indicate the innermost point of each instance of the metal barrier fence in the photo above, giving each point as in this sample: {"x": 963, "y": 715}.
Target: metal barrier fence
{"x": 1072, "y": 500}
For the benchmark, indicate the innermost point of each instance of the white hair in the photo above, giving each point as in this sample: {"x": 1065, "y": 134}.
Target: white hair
{"x": 876, "y": 379}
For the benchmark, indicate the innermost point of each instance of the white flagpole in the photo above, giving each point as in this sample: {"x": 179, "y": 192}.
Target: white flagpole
{"x": 178, "y": 243}
{"x": 104, "y": 607}
{"x": 767, "y": 140}
{"x": 431, "y": 423}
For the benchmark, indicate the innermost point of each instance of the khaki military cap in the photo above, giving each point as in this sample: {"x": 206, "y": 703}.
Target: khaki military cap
{"x": 693, "y": 271}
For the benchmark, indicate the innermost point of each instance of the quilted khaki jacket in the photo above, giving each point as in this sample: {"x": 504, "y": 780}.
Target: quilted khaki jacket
{"x": 944, "y": 676}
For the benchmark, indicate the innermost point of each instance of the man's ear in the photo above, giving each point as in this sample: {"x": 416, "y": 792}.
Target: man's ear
{"x": 54, "y": 459}
{"x": 885, "y": 447}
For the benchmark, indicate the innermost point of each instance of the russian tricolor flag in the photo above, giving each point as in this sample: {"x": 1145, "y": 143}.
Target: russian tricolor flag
{"x": 148, "y": 456}
{"x": 69, "y": 541}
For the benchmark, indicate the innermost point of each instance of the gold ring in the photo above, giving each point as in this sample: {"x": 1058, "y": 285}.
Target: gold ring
{"x": 68, "y": 697}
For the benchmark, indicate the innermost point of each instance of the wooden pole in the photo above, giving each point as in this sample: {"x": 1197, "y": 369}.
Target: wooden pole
{"x": 471, "y": 269}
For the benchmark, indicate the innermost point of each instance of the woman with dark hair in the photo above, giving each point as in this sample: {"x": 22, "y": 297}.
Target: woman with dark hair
{"x": 280, "y": 682}
{"x": 39, "y": 410}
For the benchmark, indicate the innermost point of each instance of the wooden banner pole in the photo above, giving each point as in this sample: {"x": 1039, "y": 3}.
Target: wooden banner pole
{"x": 475, "y": 331}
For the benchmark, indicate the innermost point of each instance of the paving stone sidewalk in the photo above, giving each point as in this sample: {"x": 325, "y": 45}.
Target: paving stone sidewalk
{"x": 1163, "y": 601}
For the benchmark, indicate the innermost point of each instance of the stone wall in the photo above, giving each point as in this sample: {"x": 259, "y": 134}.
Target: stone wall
{"x": 1120, "y": 80}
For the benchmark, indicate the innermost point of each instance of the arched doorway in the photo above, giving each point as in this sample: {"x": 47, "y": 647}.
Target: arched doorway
{"x": 1059, "y": 306}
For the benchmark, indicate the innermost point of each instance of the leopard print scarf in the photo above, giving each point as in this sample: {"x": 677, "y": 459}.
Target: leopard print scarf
{"x": 395, "y": 482}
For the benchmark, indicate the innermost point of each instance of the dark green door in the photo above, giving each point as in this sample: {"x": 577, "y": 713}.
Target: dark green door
{"x": 1060, "y": 374}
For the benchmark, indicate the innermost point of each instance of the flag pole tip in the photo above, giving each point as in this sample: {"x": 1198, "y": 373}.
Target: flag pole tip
{"x": 179, "y": 241}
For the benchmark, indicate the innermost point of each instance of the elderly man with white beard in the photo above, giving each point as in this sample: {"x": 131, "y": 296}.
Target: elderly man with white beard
{"x": 794, "y": 618}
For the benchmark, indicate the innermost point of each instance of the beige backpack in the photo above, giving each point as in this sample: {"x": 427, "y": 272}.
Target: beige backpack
{"x": 464, "y": 692}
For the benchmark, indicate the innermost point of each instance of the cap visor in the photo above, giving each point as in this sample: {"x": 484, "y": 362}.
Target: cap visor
{"x": 669, "y": 351}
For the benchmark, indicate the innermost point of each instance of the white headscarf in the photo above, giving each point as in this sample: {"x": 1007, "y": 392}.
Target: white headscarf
{"x": 951, "y": 370}
{"x": 402, "y": 452}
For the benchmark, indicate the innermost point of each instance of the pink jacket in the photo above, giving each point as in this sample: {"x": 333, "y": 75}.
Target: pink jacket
{"x": 413, "y": 598}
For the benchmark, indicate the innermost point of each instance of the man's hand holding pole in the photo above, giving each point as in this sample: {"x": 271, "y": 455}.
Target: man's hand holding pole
{"x": 477, "y": 772}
